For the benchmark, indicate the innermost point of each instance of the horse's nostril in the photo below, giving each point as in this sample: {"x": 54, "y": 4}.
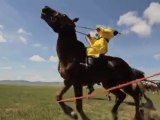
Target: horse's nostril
{"x": 43, "y": 12}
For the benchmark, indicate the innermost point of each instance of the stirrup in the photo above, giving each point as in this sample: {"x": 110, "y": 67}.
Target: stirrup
{"x": 84, "y": 64}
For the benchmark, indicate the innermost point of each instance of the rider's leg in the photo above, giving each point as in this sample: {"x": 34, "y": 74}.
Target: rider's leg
{"x": 90, "y": 62}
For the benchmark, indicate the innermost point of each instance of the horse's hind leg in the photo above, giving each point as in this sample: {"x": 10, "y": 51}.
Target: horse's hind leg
{"x": 120, "y": 97}
{"x": 149, "y": 103}
{"x": 67, "y": 109}
{"x": 135, "y": 92}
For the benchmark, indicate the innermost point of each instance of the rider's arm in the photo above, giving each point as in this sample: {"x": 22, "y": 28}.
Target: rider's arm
{"x": 92, "y": 40}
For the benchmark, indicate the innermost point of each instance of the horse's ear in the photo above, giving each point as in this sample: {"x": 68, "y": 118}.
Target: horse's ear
{"x": 75, "y": 19}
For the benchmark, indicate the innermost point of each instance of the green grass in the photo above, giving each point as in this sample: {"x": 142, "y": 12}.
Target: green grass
{"x": 38, "y": 103}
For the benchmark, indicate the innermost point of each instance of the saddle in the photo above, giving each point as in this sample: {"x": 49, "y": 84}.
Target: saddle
{"x": 99, "y": 64}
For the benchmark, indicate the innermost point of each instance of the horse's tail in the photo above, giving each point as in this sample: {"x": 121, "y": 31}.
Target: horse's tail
{"x": 140, "y": 74}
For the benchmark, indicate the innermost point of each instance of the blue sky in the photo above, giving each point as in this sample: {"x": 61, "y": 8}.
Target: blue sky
{"x": 27, "y": 44}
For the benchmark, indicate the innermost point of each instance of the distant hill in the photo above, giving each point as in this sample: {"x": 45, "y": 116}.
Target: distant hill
{"x": 25, "y": 82}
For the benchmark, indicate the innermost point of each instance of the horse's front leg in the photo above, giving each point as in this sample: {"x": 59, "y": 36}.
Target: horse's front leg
{"x": 67, "y": 109}
{"x": 65, "y": 88}
{"x": 79, "y": 106}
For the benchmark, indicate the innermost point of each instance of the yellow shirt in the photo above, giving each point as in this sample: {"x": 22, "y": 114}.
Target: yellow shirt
{"x": 97, "y": 47}
{"x": 100, "y": 46}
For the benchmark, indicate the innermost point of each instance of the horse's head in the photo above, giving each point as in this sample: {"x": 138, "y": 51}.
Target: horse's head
{"x": 56, "y": 20}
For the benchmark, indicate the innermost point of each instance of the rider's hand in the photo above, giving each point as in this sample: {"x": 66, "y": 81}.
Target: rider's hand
{"x": 88, "y": 35}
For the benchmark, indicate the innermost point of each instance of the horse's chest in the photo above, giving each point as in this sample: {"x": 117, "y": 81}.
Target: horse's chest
{"x": 62, "y": 70}
{"x": 65, "y": 70}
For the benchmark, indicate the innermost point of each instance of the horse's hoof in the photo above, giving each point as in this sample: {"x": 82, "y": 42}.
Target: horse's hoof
{"x": 114, "y": 116}
{"x": 139, "y": 117}
{"x": 74, "y": 115}
{"x": 58, "y": 97}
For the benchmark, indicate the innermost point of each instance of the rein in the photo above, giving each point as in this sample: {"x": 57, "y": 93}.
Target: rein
{"x": 81, "y": 33}
{"x": 88, "y": 28}
{"x": 84, "y": 35}
{"x": 85, "y": 27}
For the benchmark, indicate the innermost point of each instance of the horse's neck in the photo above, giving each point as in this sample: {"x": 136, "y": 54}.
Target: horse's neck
{"x": 66, "y": 38}
{"x": 67, "y": 46}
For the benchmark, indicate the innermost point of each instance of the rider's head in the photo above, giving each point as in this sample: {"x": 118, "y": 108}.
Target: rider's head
{"x": 107, "y": 33}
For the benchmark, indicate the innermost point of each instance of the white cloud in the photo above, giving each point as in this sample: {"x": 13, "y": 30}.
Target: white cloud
{"x": 141, "y": 28}
{"x": 5, "y": 37}
{"x": 125, "y": 32}
{"x": 22, "y": 31}
{"x": 31, "y": 77}
{"x": 23, "y": 39}
{"x": 49, "y": 77}
{"x": 37, "y": 58}
{"x": 130, "y": 18}
{"x": 152, "y": 13}
{"x": 157, "y": 56}
{"x": 4, "y": 58}
{"x": 136, "y": 24}
{"x": 1, "y": 26}
{"x": 2, "y": 38}
{"x": 6, "y": 68}
{"x": 45, "y": 48}
{"x": 141, "y": 25}
{"x": 53, "y": 59}
{"x": 37, "y": 77}
{"x": 37, "y": 45}
{"x": 23, "y": 66}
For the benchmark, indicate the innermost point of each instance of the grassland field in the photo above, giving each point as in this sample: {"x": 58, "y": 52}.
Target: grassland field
{"x": 31, "y": 102}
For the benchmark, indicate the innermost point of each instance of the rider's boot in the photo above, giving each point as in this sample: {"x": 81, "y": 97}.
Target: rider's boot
{"x": 91, "y": 88}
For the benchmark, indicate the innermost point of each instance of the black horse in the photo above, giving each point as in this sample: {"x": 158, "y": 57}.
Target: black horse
{"x": 72, "y": 54}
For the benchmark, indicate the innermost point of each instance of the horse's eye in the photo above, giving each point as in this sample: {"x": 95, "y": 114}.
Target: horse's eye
{"x": 64, "y": 15}
{"x": 53, "y": 19}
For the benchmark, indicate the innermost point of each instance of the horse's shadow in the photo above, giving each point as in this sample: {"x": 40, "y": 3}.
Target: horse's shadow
{"x": 155, "y": 117}
{"x": 146, "y": 110}
{"x": 142, "y": 105}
